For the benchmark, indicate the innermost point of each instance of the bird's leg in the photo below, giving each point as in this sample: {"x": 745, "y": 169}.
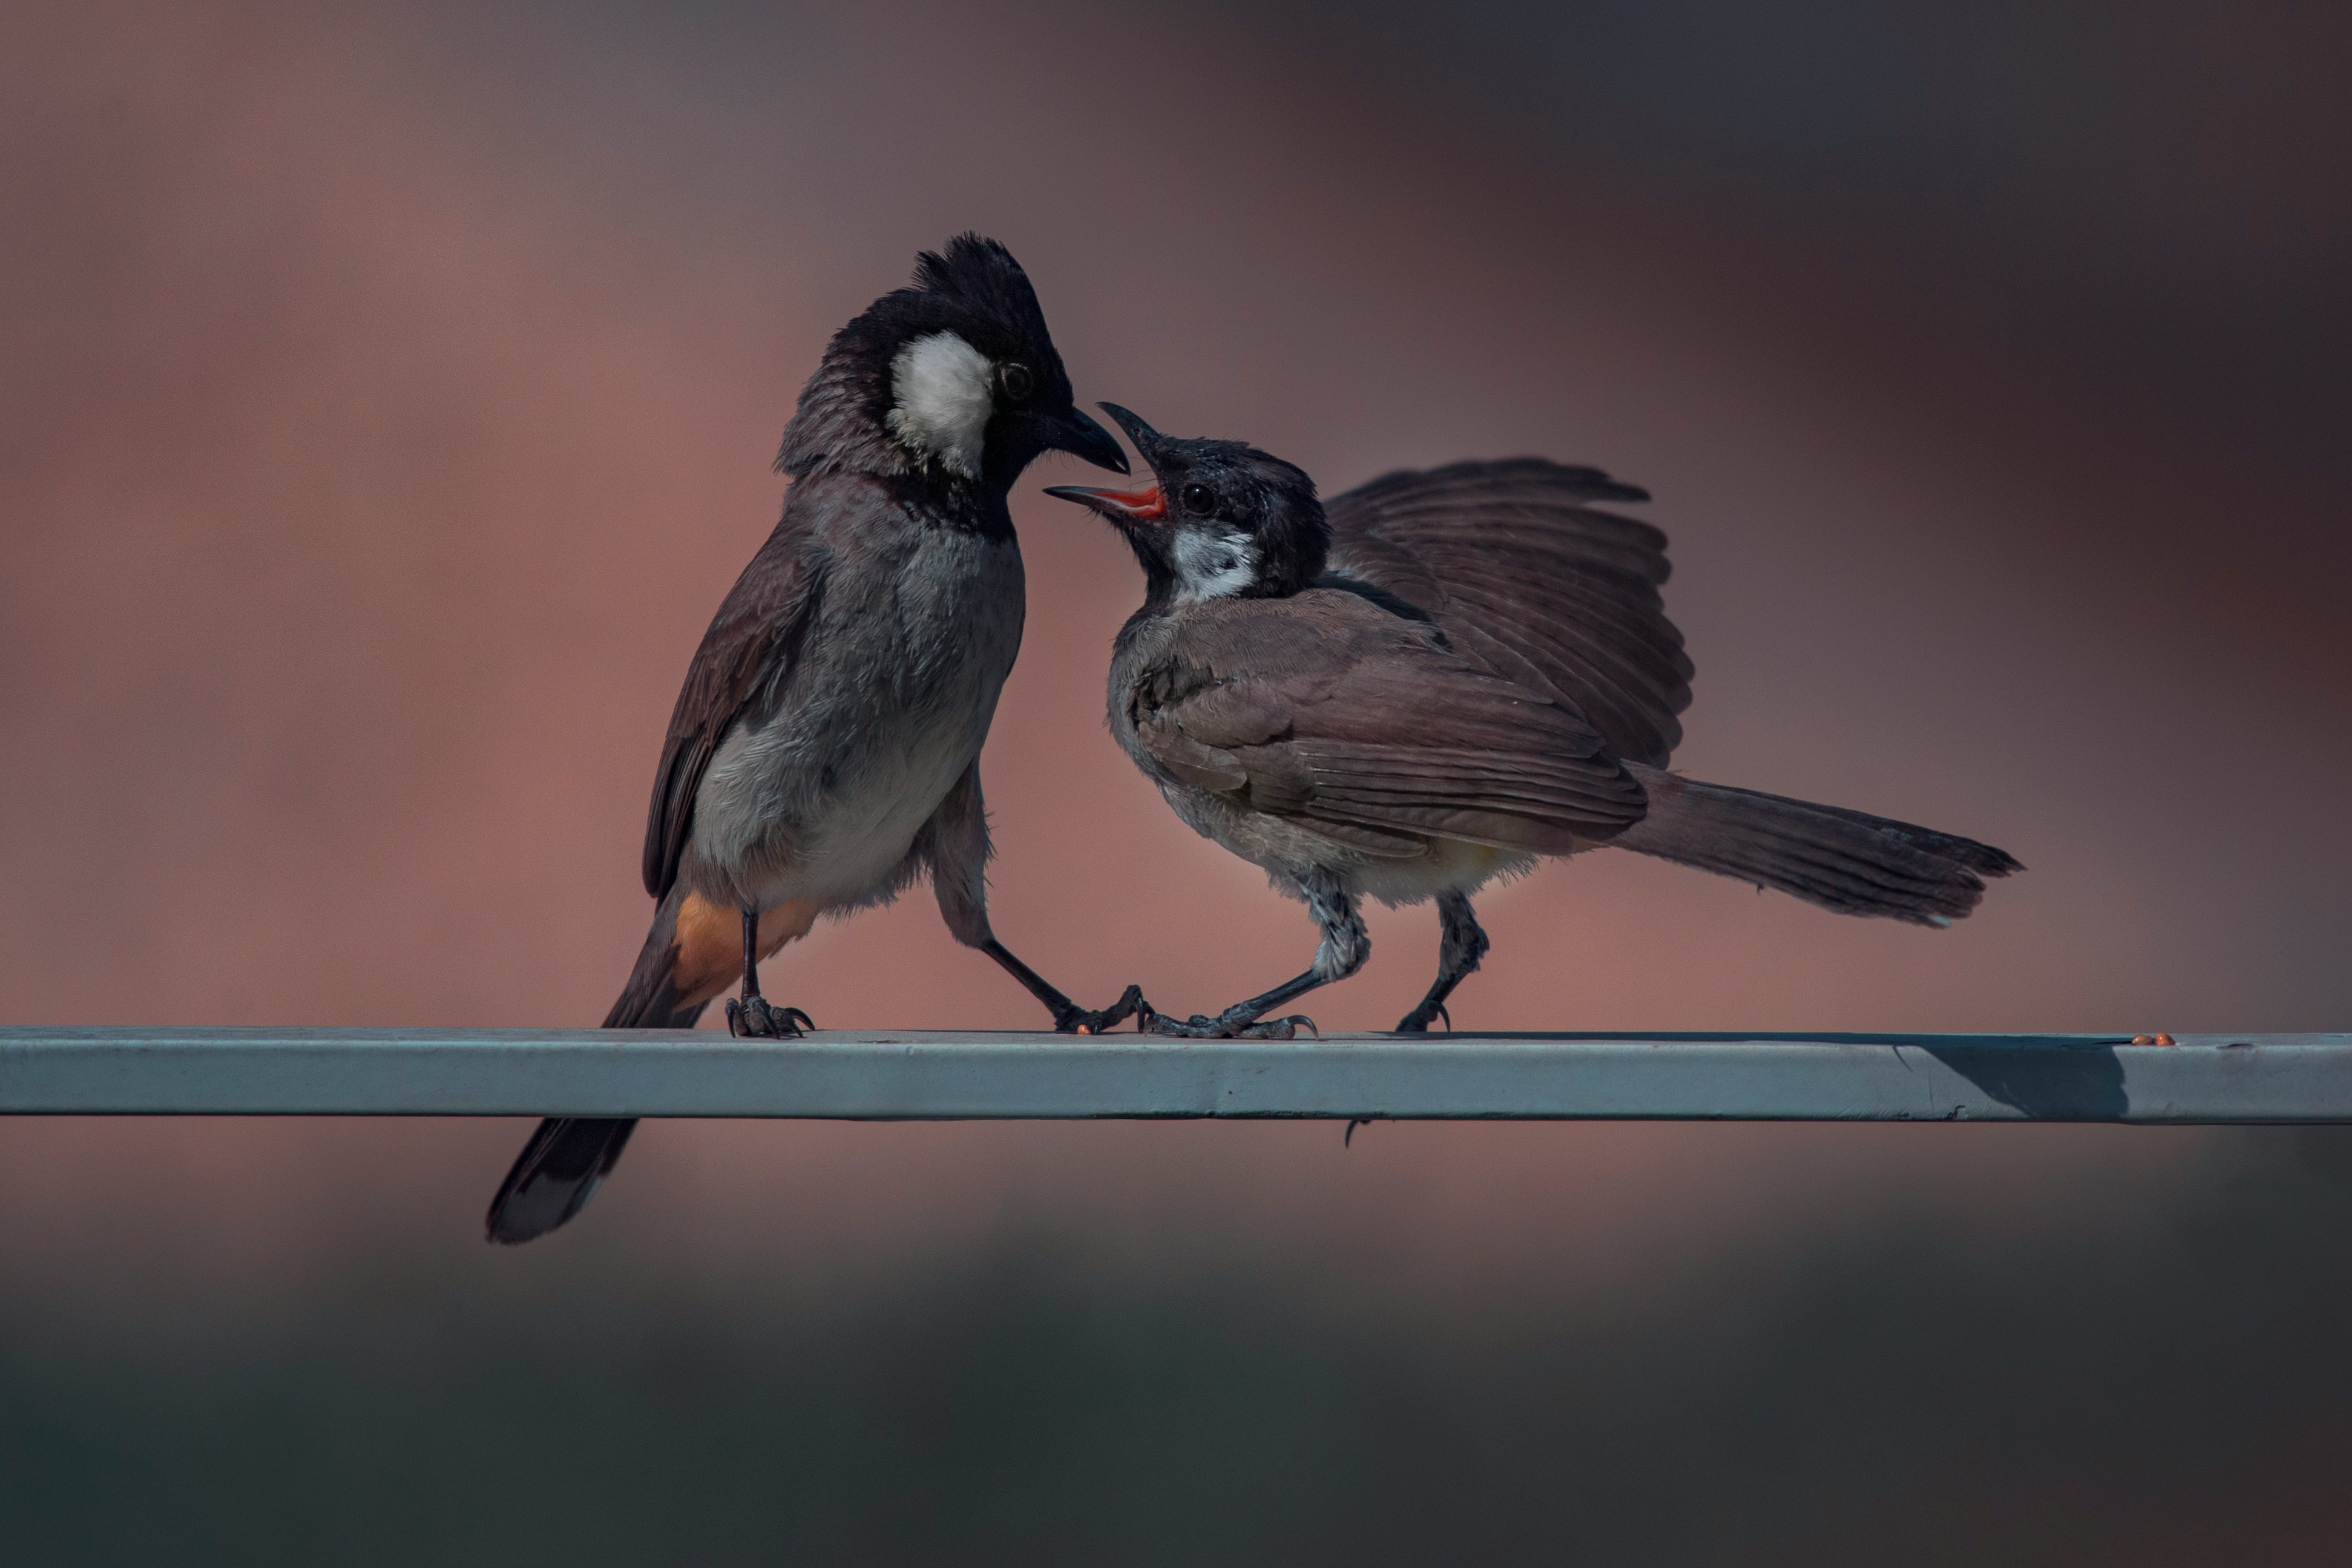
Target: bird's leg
{"x": 753, "y": 1014}
{"x": 1068, "y": 1017}
{"x": 1346, "y": 946}
{"x": 954, "y": 843}
{"x": 1458, "y": 952}
{"x": 1241, "y": 1021}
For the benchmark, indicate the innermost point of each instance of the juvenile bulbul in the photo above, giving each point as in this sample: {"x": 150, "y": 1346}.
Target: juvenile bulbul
{"x": 1428, "y": 684}
{"x": 824, "y": 752}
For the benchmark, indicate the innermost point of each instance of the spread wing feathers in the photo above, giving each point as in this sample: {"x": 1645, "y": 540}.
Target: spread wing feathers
{"x": 1531, "y": 583}
{"x": 1363, "y": 728}
{"x": 752, "y": 644}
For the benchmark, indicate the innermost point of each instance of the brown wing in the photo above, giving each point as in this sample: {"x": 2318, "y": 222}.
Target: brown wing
{"x": 1324, "y": 709}
{"x": 751, "y": 646}
{"x": 1531, "y": 583}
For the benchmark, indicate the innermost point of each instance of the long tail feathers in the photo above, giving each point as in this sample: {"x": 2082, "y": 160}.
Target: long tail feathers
{"x": 555, "y": 1176}
{"x": 1849, "y": 862}
{"x": 558, "y": 1170}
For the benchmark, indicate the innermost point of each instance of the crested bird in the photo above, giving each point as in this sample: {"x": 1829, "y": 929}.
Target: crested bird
{"x": 1432, "y": 682}
{"x": 825, "y": 751}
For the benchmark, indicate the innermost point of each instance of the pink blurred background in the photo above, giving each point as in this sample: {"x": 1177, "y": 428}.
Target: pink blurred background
{"x": 385, "y": 403}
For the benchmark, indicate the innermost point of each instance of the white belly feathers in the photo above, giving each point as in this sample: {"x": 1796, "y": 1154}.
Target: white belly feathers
{"x": 824, "y": 801}
{"x": 1287, "y": 850}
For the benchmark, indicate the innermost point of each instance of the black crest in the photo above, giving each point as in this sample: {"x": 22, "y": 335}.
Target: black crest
{"x": 980, "y": 276}
{"x": 973, "y": 288}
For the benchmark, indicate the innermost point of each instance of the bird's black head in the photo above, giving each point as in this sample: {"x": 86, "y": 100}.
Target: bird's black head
{"x": 955, "y": 381}
{"x": 1223, "y": 520}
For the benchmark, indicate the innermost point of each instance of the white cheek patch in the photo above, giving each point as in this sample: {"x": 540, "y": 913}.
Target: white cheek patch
{"x": 1212, "y": 568}
{"x": 940, "y": 401}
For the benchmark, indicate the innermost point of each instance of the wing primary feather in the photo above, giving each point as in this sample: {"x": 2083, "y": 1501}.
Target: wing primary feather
{"x": 750, "y": 648}
{"x": 1530, "y": 582}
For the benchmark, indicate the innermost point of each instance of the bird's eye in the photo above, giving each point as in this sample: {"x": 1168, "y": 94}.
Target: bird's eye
{"x": 1017, "y": 381}
{"x": 1198, "y": 498}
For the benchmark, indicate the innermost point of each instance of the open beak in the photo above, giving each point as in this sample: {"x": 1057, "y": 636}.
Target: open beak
{"x": 1079, "y": 434}
{"x": 1147, "y": 440}
{"x": 1144, "y": 506}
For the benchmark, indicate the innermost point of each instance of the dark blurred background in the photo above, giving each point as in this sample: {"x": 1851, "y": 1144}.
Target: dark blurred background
{"x": 385, "y": 402}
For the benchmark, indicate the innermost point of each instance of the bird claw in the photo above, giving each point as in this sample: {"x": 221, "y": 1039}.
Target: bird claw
{"x": 1200, "y": 1026}
{"x": 2153, "y": 1039}
{"x": 757, "y": 1018}
{"x": 1418, "y": 1020}
{"x": 1082, "y": 1020}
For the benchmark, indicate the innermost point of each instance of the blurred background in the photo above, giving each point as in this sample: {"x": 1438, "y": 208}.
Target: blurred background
{"x": 386, "y": 400}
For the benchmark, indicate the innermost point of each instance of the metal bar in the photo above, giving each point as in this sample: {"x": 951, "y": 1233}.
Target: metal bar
{"x": 918, "y": 1075}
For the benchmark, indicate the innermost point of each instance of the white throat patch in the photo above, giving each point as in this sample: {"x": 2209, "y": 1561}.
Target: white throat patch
{"x": 940, "y": 401}
{"x": 1209, "y": 568}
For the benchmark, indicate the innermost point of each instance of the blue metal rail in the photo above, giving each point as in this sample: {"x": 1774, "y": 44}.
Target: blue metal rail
{"x": 922, "y": 1075}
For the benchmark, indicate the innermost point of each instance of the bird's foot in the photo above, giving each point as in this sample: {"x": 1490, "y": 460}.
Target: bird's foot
{"x": 1418, "y": 1020}
{"x": 1095, "y": 1020}
{"x": 757, "y": 1018}
{"x": 1224, "y": 1026}
{"x": 2153, "y": 1039}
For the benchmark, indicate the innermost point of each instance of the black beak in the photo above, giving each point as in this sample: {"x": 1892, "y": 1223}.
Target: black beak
{"x": 1144, "y": 506}
{"x": 1147, "y": 440}
{"x": 1078, "y": 433}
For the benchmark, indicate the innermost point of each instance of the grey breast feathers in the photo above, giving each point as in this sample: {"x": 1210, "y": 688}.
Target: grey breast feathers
{"x": 1531, "y": 582}
{"x": 1363, "y": 727}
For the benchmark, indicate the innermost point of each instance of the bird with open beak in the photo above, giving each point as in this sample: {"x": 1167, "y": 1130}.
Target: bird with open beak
{"x": 824, "y": 752}
{"x": 1433, "y": 682}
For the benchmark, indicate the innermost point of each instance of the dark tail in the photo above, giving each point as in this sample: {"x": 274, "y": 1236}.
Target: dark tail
{"x": 558, "y": 1170}
{"x": 1850, "y": 861}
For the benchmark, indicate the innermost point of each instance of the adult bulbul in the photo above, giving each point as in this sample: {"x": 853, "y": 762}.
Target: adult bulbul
{"x": 824, "y": 752}
{"x": 1428, "y": 684}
